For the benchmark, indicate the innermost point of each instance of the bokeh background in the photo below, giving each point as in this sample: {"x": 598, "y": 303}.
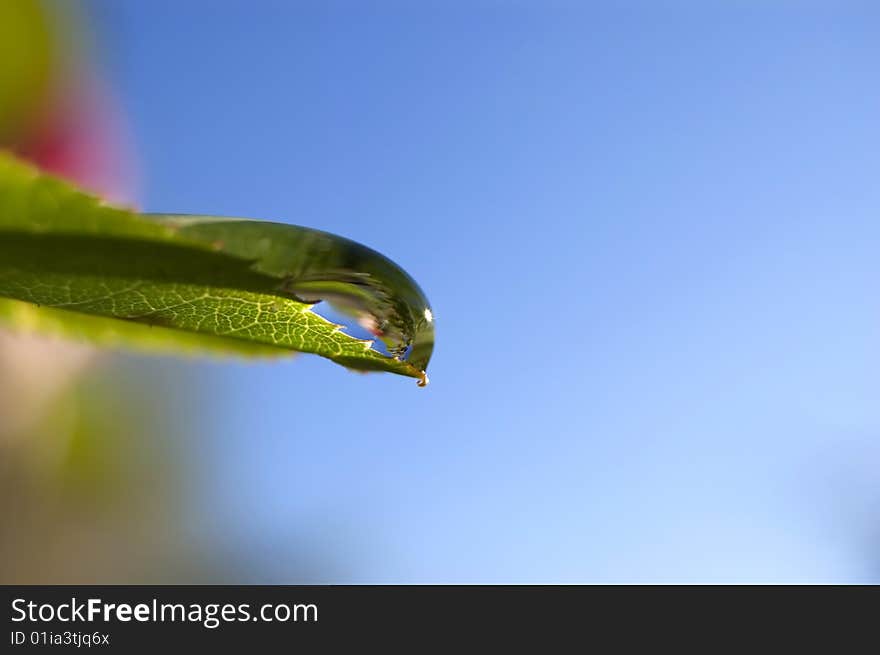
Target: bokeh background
{"x": 650, "y": 235}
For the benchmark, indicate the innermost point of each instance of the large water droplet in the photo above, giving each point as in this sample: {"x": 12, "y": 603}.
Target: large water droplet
{"x": 315, "y": 266}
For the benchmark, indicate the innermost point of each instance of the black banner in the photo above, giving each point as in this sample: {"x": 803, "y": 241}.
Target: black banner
{"x": 129, "y": 619}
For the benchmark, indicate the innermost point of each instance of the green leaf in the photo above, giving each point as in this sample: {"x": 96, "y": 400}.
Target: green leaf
{"x": 72, "y": 265}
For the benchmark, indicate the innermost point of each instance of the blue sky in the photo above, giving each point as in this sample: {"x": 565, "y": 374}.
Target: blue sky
{"x": 649, "y": 233}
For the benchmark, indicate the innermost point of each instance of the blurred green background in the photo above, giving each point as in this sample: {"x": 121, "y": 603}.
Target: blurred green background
{"x": 89, "y": 472}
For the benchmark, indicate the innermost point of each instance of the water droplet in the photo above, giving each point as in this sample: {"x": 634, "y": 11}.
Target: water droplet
{"x": 314, "y": 266}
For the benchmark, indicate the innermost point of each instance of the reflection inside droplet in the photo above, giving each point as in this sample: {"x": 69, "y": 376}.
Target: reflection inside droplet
{"x": 396, "y": 319}
{"x": 360, "y": 327}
